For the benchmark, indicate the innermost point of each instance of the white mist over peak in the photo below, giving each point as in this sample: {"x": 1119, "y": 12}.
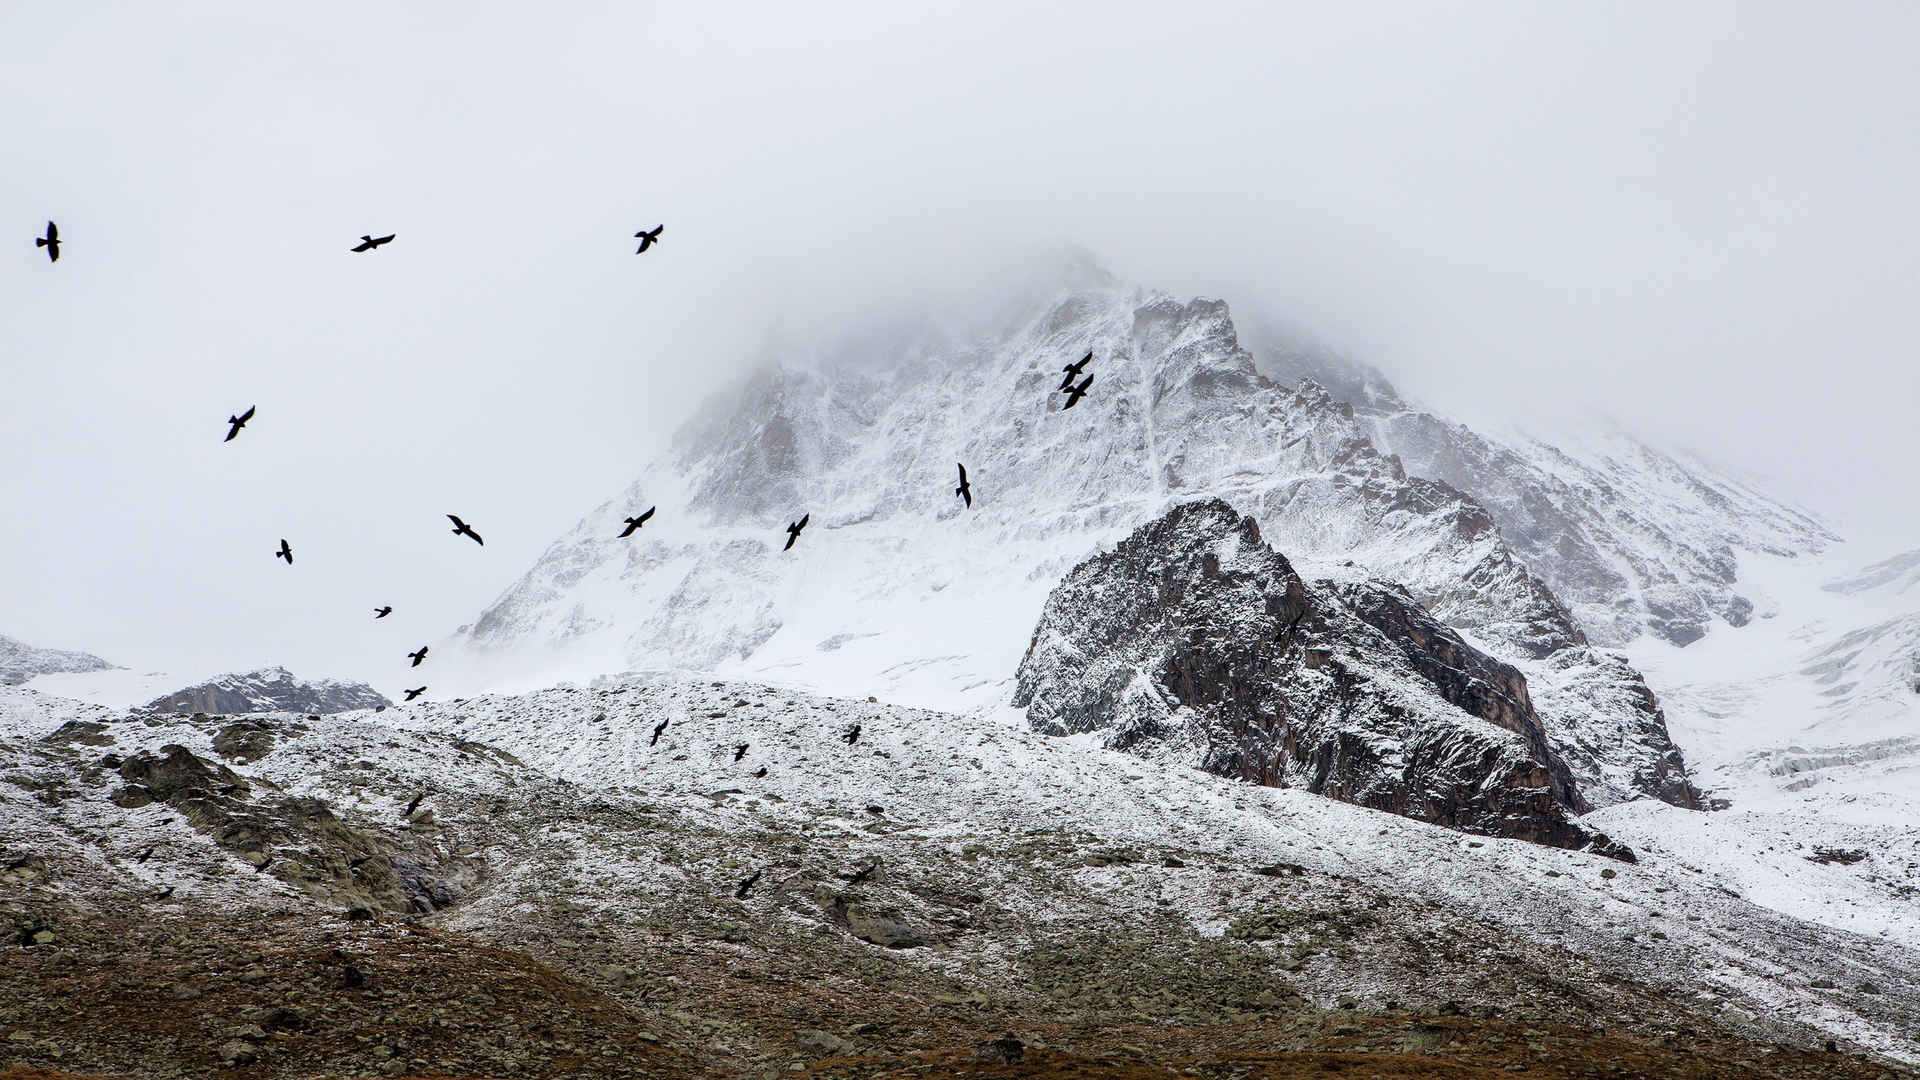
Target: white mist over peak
{"x": 898, "y": 590}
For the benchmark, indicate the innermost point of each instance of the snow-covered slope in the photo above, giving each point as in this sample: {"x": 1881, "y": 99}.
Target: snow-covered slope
{"x": 20, "y": 662}
{"x": 1633, "y": 539}
{"x": 897, "y": 590}
{"x": 1894, "y": 576}
{"x": 1819, "y": 695}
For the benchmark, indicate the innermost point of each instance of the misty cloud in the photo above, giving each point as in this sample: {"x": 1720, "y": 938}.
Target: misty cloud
{"x": 1698, "y": 219}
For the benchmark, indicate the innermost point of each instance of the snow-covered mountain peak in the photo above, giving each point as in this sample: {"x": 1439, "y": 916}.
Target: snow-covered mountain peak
{"x": 899, "y": 589}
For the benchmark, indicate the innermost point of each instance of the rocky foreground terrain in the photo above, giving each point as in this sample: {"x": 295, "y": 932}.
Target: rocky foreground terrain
{"x": 541, "y": 886}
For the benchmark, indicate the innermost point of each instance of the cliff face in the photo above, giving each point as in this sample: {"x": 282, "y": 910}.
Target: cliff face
{"x": 1194, "y": 640}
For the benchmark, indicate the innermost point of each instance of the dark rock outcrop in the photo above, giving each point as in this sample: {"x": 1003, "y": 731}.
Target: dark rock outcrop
{"x": 298, "y": 840}
{"x": 272, "y": 689}
{"x": 1193, "y": 639}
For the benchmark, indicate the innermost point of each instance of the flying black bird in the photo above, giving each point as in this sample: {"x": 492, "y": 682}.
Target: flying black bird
{"x": 147, "y": 854}
{"x": 747, "y": 885}
{"x": 461, "y": 528}
{"x": 51, "y": 242}
{"x": 793, "y": 531}
{"x": 416, "y": 657}
{"x": 411, "y": 694}
{"x": 1073, "y": 370}
{"x": 740, "y": 751}
{"x": 285, "y": 552}
{"x": 633, "y": 524}
{"x": 383, "y": 612}
{"x": 1075, "y": 393}
{"x": 648, "y": 239}
{"x": 851, "y": 735}
{"x": 238, "y": 422}
{"x": 412, "y": 806}
{"x": 862, "y": 875}
{"x": 761, "y": 771}
{"x": 658, "y": 730}
{"x": 368, "y": 243}
{"x": 164, "y": 893}
{"x": 263, "y": 865}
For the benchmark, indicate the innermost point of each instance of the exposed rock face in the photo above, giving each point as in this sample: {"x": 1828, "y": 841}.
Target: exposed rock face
{"x": 269, "y": 690}
{"x": 20, "y": 661}
{"x": 1195, "y": 639}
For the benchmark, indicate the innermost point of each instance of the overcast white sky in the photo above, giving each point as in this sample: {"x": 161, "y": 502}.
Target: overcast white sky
{"x": 1700, "y": 217}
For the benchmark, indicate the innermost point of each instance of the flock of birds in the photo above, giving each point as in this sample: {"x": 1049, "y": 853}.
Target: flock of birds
{"x": 648, "y": 238}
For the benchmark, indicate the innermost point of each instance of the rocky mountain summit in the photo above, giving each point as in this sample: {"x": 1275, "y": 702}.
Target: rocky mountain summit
{"x": 273, "y": 689}
{"x": 20, "y": 661}
{"x": 899, "y": 591}
{"x": 1194, "y": 640}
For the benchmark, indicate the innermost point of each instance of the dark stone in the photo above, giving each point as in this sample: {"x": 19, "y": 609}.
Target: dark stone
{"x": 1603, "y": 845}
{"x": 1005, "y": 1050}
{"x": 244, "y": 740}
{"x": 88, "y": 732}
{"x": 280, "y": 1018}
{"x": 178, "y": 772}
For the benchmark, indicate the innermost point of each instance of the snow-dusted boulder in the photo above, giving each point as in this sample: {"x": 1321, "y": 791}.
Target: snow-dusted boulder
{"x": 1194, "y": 640}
